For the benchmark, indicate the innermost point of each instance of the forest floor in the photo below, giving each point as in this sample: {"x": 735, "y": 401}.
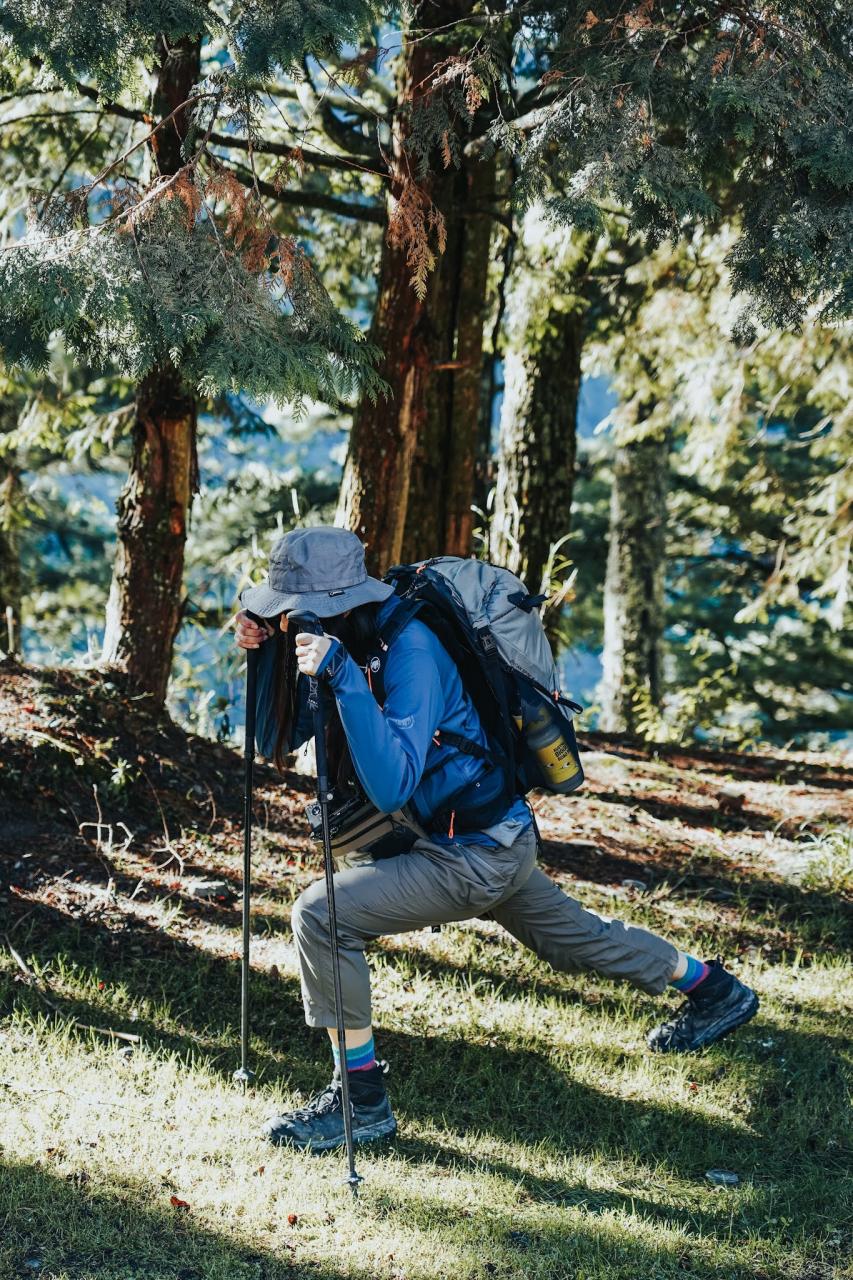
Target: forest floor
{"x": 538, "y": 1136}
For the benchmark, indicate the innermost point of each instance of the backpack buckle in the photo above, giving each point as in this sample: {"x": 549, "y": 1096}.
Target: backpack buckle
{"x": 487, "y": 640}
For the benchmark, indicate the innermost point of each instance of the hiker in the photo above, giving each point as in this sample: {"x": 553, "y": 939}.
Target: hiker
{"x": 424, "y": 747}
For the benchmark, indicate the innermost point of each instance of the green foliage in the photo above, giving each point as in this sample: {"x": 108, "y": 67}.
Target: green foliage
{"x": 169, "y": 291}
{"x": 267, "y": 35}
{"x": 100, "y": 43}
{"x": 759, "y": 515}
{"x": 702, "y": 708}
{"x": 682, "y": 110}
{"x": 133, "y": 269}
{"x": 830, "y": 861}
{"x": 104, "y": 43}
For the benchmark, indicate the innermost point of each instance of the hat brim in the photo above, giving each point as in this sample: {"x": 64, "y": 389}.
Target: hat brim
{"x": 267, "y": 603}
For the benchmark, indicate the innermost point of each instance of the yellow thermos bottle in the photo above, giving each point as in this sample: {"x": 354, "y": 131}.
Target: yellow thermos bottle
{"x": 546, "y": 740}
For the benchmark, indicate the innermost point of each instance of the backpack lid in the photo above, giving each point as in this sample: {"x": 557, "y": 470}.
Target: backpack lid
{"x": 495, "y": 598}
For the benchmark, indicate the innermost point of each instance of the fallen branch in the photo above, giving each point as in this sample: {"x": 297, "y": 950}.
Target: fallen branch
{"x": 14, "y": 1087}
{"x": 35, "y": 985}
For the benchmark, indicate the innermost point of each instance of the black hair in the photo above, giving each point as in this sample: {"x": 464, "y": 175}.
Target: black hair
{"x": 357, "y": 632}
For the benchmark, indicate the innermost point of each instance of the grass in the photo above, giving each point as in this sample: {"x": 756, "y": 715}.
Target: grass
{"x": 538, "y": 1138}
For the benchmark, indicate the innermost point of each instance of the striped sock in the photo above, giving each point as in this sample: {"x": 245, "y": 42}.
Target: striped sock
{"x": 697, "y": 971}
{"x": 361, "y": 1058}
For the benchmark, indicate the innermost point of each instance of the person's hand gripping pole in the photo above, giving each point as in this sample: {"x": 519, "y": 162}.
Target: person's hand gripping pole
{"x": 309, "y": 624}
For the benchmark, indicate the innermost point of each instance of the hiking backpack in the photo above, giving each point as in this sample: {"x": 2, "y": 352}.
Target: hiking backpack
{"x": 490, "y": 626}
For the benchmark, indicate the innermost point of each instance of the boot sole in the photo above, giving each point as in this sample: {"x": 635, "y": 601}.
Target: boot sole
{"x": 737, "y": 1018}
{"x": 365, "y": 1133}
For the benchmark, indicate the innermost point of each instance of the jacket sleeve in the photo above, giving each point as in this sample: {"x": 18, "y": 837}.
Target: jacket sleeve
{"x": 266, "y": 729}
{"x": 388, "y": 745}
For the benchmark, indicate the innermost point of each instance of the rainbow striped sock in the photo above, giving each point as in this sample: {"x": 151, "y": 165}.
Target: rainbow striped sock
{"x": 697, "y": 971}
{"x": 361, "y": 1058}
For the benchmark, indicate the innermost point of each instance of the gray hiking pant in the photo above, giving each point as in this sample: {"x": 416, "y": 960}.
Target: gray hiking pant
{"x": 437, "y": 884}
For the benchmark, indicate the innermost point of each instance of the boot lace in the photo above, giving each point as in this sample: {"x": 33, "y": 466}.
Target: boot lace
{"x": 323, "y": 1103}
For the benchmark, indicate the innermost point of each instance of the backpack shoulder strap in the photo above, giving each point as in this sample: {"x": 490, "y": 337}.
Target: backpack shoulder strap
{"x": 397, "y": 618}
{"x": 400, "y": 616}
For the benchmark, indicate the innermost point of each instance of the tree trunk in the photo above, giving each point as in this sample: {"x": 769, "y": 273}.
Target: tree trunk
{"x": 439, "y": 518}
{"x": 491, "y": 387}
{"x": 408, "y": 479}
{"x": 145, "y": 604}
{"x": 634, "y": 585}
{"x": 546, "y": 316}
{"x": 538, "y": 442}
{"x": 10, "y": 561}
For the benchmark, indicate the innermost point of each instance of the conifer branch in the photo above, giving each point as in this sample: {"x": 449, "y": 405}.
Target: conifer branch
{"x": 315, "y": 159}
{"x": 114, "y": 164}
{"x": 310, "y": 199}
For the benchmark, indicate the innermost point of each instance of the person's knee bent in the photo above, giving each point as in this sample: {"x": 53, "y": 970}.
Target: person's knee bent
{"x": 310, "y": 916}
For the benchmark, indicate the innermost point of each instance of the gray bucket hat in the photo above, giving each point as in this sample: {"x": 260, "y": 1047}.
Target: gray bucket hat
{"x": 320, "y": 570}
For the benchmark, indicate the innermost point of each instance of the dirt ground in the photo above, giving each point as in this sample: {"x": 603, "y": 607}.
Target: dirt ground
{"x": 103, "y": 798}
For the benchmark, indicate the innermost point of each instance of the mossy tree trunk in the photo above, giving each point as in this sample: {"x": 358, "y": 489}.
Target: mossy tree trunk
{"x": 408, "y": 480}
{"x": 146, "y": 596}
{"x": 547, "y": 310}
{"x": 538, "y": 443}
{"x": 634, "y": 584}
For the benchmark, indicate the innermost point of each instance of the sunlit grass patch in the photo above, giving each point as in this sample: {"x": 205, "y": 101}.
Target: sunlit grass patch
{"x": 538, "y": 1137}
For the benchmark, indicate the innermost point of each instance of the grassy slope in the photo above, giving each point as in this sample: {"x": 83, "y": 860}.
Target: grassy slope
{"x": 538, "y": 1139}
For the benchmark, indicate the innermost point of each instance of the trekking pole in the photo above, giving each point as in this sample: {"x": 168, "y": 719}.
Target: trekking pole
{"x": 243, "y": 1076}
{"x": 309, "y": 622}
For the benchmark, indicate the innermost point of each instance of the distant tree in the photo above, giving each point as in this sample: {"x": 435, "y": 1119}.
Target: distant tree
{"x": 758, "y": 529}
{"x": 10, "y": 560}
{"x": 548, "y": 300}
{"x": 165, "y": 265}
{"x": 43, "y": 419}
{"x": 634, "y": 617}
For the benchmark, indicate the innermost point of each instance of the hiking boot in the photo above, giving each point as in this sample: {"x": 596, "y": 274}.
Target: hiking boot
{"x": 716, "y": 1007}
{"x": 319, "y": 1126}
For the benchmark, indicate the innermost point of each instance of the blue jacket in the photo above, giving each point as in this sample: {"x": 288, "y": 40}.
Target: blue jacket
{"x": 393, "y": 747}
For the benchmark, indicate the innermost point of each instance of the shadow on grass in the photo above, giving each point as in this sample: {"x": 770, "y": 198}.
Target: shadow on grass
{"x": 744, "y": 765}
{"x": 203, "y": 987}
{"x": 698, "y": 1243}
{"x": 516, "y": 1095}
{"x": 815, "y": 917}
{"x": 54, "y": 1225}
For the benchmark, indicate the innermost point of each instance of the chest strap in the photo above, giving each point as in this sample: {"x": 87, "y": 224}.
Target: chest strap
{"x": 466, "y": 745}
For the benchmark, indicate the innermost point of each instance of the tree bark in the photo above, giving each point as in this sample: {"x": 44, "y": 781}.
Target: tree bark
{"x": 538, "y": 442}
{"x": 10, "y": 561}
{"x": 409, "y": 475}
{"x": 634, "y": 585}
{"x": 439, "y": 518}
{"x": 145, "y": 603}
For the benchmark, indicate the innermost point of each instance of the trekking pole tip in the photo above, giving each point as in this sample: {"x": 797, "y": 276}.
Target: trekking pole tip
{"x": 352, "y": 1180}
{"x": 244, "y": 1077}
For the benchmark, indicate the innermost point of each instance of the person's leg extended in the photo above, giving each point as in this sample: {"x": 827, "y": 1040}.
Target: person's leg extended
{"x": 569, "y": 937}
{"x": 432, "y": 884}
